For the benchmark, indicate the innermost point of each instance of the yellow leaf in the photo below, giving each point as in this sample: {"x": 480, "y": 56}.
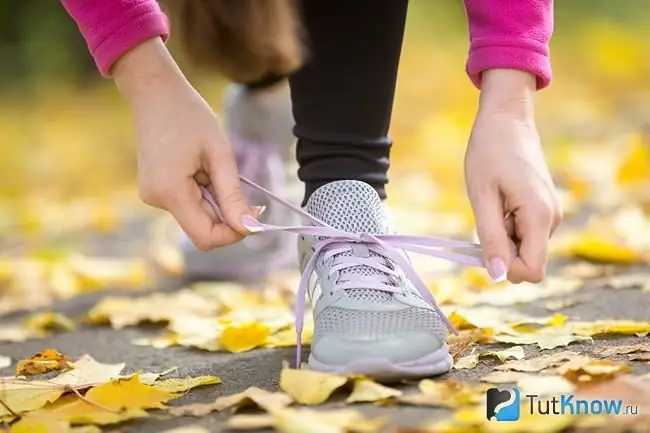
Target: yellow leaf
{"x": 45, "y": 361}
{"x": 111, "y": 402}
{"x": 40, "y": 425}
{"x": 584, "y": 369}
{"x": 50, "y": 321}
{"x": 366, "y": 390}
{"x": 310, "y": 387}
{"x": 23, "y": 395}
{"x": 538, "y": 363}
{"x": 592, "y": 248}
{"x": 182, "y": 384}
{"x": 446, "y": 393}
{"x": 636, "y": 165}
{"x": 472, "y": 360}
{"x": 624, "y": 327}
{"x": 252, "y": 396}
{"x": 243, "y": 337}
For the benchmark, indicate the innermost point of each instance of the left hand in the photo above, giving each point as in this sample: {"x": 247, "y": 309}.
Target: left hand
{"x": 505, "y": 171}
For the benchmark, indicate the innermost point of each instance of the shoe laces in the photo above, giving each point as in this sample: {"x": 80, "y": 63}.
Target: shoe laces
{"x": 388, "y": 258}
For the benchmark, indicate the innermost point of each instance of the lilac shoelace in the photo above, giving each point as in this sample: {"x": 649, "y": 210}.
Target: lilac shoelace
{"x": 334, "y": 242}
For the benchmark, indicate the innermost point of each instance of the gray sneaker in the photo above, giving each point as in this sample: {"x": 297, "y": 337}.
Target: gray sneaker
{"x": 368, "y": 316}
{"x": 259, "y": 124}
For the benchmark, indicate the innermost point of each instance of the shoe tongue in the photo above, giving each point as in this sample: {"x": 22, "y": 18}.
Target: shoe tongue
{"x": 348, "y": 205}
{"x": 354, "y": 207}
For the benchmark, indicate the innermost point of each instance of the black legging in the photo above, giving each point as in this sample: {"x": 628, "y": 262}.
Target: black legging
{"x": 343, "y": 96}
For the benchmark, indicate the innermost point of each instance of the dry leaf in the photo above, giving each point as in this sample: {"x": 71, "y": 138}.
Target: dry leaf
{"x": 466, "y": 339}
{"x": 366, "y": 390}
{"x": 585, "y": 369}
{"x": 334, "y": 421}
{"x": 111, "y": 402}
{"x": 5, "y": 361}
{"x": 446, "y": 393}
{"x": 50, "y": 321}
{"x": 624, "y": 327}
{"x": 252, "y": 396}
{"x": 623, "y": 349}
{"x": 182, "y": 384}
{"x": 310, "y": 387}
{"x": 545, "y": 339}
{"x": 23, "y": 395}
{"x": 538, "y": 363}
{"x": 472, "y": 360}
{"x": 46, "y": 361}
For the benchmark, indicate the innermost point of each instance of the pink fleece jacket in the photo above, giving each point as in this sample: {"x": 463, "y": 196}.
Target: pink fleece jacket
{"x": 510, "y": 34}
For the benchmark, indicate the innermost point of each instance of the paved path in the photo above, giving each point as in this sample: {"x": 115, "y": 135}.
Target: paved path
{"x": 261, "y": 367}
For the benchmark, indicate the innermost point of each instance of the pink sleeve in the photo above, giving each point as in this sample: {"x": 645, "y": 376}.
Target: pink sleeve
{"x": 510, "y": 34}
{"x": 113, "y": 27}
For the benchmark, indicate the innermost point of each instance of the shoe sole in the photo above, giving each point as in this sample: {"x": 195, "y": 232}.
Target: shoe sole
{"x": 432, "y": 364}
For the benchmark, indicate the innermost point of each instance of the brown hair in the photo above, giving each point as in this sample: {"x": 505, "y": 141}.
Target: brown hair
{"x": 245, "y": 40}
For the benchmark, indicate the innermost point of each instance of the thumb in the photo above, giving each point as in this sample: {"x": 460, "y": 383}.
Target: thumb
{"x": 224, "y": 177}
{"x": 492, "y": 233}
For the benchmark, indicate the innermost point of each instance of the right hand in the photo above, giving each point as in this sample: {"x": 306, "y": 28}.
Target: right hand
{"x": 180, "y": 148}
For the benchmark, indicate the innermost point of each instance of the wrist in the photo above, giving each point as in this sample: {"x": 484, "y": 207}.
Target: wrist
{"x": 146, "y": 71}
{"x": 508, "y": 91}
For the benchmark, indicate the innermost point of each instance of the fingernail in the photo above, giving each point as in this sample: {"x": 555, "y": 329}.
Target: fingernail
{"x": 497, "y": 270}
{"x": 251, "y": 224}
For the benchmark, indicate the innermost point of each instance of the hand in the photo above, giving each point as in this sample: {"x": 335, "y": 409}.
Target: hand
{"x": 181, "y": 146}
{"x": 505, "y": 171}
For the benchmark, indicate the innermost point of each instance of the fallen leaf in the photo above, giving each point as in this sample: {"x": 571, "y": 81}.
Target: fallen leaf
{"x": 545, "y": 339}
{"x": 310, "y": 387}
{"x": 366, "y": 390}
{"x": 40, "y": 425}
{"x": 50, "y": 321}
{"x": 461, "y": 342}
{"x": 46, "y": 361}
{"x": 252, "y": 396}
{"x": 111, "y": 402}
{"x": 242, "y": 337}
{"x": 623, "y": 349}
{"x": 120, "y": 312}
{"x": 446, "y": 393}
{"x": 623, "y": 327}
{"x": 5, "y": 361}
{"x": 585, "y": 369}
{"x": 472, "y": 360}
{"x": 640, "y": 357}
{"x": 182, "y": 384}
{"x": 538, "y": 363}
{"x": 23, "y": 395}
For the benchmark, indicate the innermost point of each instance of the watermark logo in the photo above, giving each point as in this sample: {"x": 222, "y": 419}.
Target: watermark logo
{"x": 503, "y": 404}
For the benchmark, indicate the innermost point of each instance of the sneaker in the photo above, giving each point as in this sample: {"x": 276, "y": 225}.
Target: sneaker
{"x": 259, "y": 124}
{"x": 368, "y": 317}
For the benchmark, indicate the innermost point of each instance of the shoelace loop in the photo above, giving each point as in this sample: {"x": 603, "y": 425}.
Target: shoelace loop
{"x": 387, "y": 246}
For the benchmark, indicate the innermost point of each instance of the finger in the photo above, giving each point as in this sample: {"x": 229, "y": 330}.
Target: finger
{"x": 491, "y": 230}
{"x": 224, "y": 179}
{"x": 533, "y": 228}
{"x": 186, "y": 204}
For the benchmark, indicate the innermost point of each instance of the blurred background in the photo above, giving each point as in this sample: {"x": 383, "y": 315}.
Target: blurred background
{"x": 67, "y": 152}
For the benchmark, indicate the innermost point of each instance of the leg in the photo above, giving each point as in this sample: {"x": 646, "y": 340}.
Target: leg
{"x": 368, "y": 317}
{"x": 343, "y": 96}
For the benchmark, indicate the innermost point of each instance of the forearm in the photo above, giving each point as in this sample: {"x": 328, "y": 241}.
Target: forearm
{"x": 112, "y": 28}
{"x": 510, "y": 34}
